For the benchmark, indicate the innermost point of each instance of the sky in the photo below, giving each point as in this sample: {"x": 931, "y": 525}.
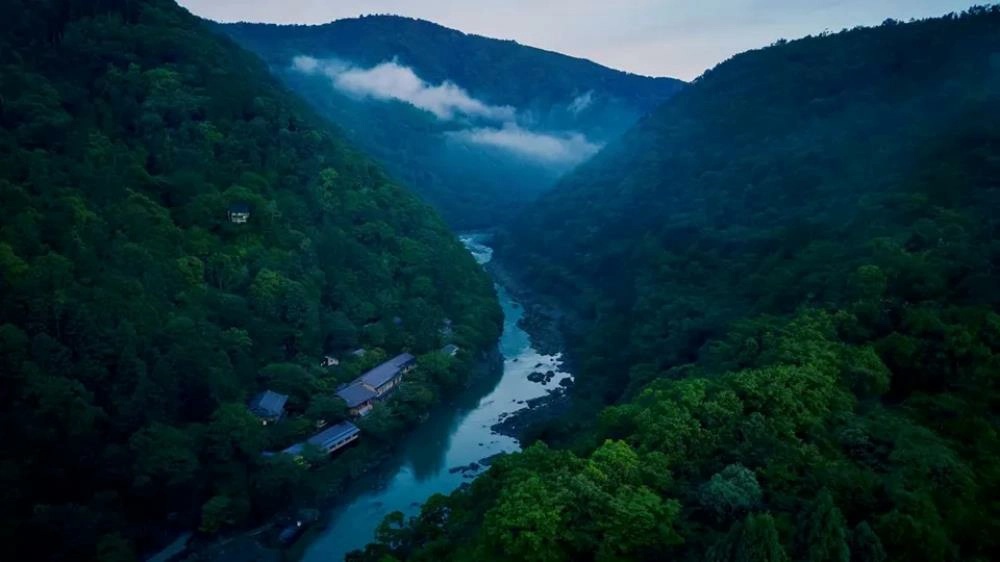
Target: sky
{"x": 678, "y": 38}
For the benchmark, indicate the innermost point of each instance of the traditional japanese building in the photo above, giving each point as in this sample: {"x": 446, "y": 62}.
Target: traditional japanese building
{"x": 269, "y": 406}
{"x": 384, "y": 378}
{"x": 329, "y": 440}
{"x": 358, "y": 397}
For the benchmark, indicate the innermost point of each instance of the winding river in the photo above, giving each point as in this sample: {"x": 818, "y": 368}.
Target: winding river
{"x": 456, "y": 434}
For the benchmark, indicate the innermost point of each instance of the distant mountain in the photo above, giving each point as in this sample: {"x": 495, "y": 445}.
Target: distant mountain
{"x": 785, "y": 285}
{"x": 476, "y": 126}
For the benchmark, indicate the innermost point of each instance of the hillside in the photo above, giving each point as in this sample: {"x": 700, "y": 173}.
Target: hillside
{"x": 178, "y": 232}
{"x": 784, "y": 284}
{"x": 475, "y": 126}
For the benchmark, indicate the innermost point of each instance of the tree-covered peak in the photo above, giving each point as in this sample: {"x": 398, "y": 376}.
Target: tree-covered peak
{"x": 478, "y": 127}
{"x": 780, "y": 296}
{"x": 177, "y": 234}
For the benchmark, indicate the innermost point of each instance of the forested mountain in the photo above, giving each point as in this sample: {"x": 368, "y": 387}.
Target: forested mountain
{"x": 476, "y": 126}
{"x": 785, "y": 281}
{"x": 178, "y": 232}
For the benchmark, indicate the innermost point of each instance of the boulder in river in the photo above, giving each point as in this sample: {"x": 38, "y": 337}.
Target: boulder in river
{"x": 471, "y": 467}
{"x": 487, "y": 461}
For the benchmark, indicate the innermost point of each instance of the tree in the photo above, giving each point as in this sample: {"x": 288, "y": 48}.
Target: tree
{"x": 732, "y": 492}
{"x": 865, "y": 544}
{"x": 163, "y": 454}
{"x": 326, "y": 408}
{"x": 115, "y": 548}
{"x": 823, "y": 532}
{"x": 755, "y": 539}
{"x": 233, "y": 433}
{"x": 636, "y": 520}
{"x": 220, "y": 512}
{"x": 865, "y": 372}
{"x": 278, "y": 485}
{"x": 437, "y": 367}
{"x": 870, "y": 282}
{"x": 527, "y": 522}
{"x": 412, "y": 399}
{"x": 291, "y": 379}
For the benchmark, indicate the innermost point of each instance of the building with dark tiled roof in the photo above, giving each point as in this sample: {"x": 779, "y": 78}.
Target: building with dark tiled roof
{"x": 269, "y": 405}
{"x": 329, "y": 440}
{"x": 382, "y": 379}
{"x": 358, "y": 397}
{"x": 335, "y": 436}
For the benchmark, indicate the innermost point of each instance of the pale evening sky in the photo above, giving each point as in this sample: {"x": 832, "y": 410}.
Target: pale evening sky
{"x": 679, "y": 38}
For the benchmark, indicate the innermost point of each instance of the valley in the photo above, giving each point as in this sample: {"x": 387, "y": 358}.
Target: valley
{"x": 382, "y": 290}
{"x": 448, "y": 114}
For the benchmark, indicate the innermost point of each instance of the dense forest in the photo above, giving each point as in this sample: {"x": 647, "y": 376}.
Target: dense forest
{"x": 473, "y": 186}
{"x": 178, "y": 232}
{"x": 781, "y": 292}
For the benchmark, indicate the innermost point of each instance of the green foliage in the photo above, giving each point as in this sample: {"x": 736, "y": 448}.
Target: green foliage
{"x": 824, "y": 532}
{"x": 754, "y": 539}
{"x": 780, "y": 287}
{"x": 526, "y": 523}
{"x": 136, "y": 318}
{"x": 219, "y": 512}
{"x": 115, "y": 548}
{"x": 865, "y": 544}
{"x": 732, "y": 491}
{"x": 164, "y": 455}
{"x": 473, "y": 186}
{"x": 326, "y": 408}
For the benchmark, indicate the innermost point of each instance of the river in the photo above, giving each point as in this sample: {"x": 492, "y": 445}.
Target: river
{"x": 455, "y": 435}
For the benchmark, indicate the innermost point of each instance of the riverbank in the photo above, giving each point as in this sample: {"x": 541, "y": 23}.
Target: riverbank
{"x": 543, "y": 320}
{"x": 514, "y": 385}
{"x": 367, "y": 461}
{"x": 453, "y": 446}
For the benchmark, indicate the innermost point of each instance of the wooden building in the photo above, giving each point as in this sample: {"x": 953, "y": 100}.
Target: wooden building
{"x": 358, "y": 397}
{"x": 383, "y": 379}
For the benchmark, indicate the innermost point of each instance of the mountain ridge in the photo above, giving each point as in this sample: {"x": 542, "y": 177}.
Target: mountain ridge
{"x": 439, "y": 26}
{"x": 178, "y": 232}
{"x": 535, "y": 114}
{"x": 388, "y": 23}
{"x": 783, "y": 319}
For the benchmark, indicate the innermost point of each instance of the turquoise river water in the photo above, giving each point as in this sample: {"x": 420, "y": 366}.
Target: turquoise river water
{"x": 456, "y": 434}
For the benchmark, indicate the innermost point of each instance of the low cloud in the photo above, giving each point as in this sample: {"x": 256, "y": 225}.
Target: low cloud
{"x": 393, "y": 81}
{"x": 581, "y": 102}
{"x": 308, "y": 65}
{"x": 566, "y": 149}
